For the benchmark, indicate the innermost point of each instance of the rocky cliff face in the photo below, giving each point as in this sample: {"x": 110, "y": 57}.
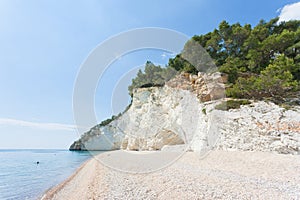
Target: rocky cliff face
{"x": 158, "y": 116}
{"x": 182, "y": 114}
{"x": 261, "y": 126}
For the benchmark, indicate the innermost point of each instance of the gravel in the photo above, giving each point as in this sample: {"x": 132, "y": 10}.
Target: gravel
{"x": 220, "y": 175}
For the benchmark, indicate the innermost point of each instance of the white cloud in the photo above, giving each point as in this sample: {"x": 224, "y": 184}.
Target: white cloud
{"x": 46, "y": 126}
{"x": 290, "y": 12}
{"x": 167, "y": 54}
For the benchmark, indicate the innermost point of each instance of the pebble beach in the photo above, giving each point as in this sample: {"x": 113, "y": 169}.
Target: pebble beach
{"x": 219, "y": 175}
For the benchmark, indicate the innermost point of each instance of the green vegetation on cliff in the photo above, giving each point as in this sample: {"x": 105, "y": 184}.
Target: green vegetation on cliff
{"x": 261, "y": 62}
{"x": 153, "y": 75}
{"x": 232, "y": 104}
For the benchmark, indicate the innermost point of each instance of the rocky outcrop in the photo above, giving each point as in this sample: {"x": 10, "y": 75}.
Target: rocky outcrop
{"x": 261, "y": 126}
{"x": 77, "y": 146}
{"x": 206, "y": 87}
{"x": 158, "y": 116}
{"x": 103, "y": 138}
{"x": 182, "y": 115}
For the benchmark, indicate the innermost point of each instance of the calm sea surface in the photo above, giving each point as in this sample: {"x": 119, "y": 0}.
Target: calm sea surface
{"x": 22, "y": 178}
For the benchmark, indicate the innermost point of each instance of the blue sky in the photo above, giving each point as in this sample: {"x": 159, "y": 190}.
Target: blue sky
{"x": 43, "y": 44}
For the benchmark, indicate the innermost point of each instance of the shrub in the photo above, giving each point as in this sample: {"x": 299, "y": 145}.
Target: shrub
{"x": 275, "y": 81}
{"x": 232, "y": 104}
{"x": 153, "y": 75}
{"x": 107, "y": 121}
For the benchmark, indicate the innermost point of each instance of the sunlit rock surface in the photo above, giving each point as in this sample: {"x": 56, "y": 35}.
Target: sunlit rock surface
{"x": 182, "y": 113}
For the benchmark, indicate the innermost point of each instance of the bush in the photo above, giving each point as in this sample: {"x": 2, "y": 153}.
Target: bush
{"x": 232, "y": 104}
{"x": 152, "y": 76}
{"x": 275, "y": 81}
{"x": 107, "y": 121}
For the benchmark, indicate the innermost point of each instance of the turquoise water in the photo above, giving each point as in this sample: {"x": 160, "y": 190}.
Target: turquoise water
{"x": 22, "y": 178}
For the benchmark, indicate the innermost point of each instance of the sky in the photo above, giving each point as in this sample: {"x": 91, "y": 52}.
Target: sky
{"x": 44, "y": 43}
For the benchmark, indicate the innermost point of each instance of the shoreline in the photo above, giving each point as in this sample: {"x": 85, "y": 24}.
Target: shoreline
{"x": 49, "y": 193}
{"x": 222, "y": 174}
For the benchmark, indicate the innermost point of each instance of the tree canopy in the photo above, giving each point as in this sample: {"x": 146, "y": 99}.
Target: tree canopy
{"x": 261, "y": 61}
{"x": 153, "y": 75}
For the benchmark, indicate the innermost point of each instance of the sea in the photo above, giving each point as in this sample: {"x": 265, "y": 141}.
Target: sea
{"x": 27, "y": 174}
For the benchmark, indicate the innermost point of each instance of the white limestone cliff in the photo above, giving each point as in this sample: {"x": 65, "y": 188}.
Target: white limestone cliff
{"x": 183, "y": 113}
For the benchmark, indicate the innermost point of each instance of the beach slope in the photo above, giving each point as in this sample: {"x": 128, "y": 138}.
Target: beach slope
{"x": 221, "y": 175}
